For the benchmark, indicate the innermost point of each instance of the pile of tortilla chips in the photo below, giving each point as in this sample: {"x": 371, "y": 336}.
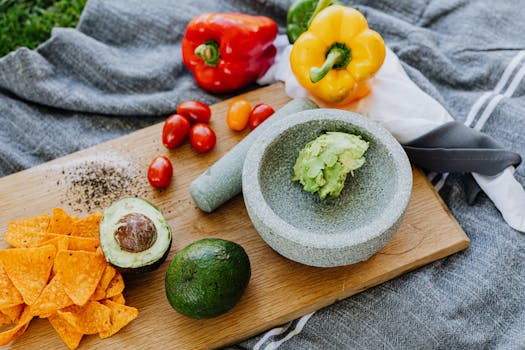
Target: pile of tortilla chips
{"x": 57, "y": 271}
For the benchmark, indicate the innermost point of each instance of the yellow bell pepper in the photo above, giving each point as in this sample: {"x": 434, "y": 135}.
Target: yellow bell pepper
{"x": 336, "y": 55}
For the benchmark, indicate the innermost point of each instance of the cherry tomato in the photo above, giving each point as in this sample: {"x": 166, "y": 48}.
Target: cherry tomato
{"x": 259, "y": 113}
{"x": 194, "y": 111}
{"x": 238, "y": 114}
{"x": 175, "y": 131}
{"x": 202, "y": 137}
{"x": 160, "y": 172}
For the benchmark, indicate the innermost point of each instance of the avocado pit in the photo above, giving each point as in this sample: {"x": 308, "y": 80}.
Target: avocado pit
{"x": 135, "y": 233}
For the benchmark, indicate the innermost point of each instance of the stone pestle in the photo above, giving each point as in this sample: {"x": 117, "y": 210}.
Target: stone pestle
{"x": 223, "y": 180}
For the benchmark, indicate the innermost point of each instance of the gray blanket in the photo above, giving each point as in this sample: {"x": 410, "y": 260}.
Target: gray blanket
{"x": 121, "y": 70}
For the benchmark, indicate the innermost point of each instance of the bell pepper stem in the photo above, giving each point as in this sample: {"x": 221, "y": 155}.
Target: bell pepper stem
{"x": 208, "y": 52}
{"x": 334, "y": 57}
{"x": 321, "y": 5}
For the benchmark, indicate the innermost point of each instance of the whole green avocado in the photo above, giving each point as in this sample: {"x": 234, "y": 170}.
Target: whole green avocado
{"x": 324, "y": 163}
{"x": 207, "y": 278}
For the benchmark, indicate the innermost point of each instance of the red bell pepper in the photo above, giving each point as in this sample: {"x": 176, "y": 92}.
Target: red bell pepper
{"x": 227, "y": 51}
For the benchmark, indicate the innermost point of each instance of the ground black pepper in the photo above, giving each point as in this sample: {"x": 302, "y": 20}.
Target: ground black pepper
{"x": 94, "y": 184}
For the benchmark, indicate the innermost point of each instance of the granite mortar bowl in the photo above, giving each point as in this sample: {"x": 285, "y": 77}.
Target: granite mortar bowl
{"x": 334, "y": 231}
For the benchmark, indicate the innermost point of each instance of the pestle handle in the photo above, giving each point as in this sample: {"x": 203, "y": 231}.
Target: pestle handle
{"x": 223, "y": 180}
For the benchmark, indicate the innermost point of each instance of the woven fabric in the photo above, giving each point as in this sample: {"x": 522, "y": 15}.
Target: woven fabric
{"x": 120, "y": 70}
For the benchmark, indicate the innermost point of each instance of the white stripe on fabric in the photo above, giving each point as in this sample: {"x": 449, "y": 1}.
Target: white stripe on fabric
{"x": 297, "y": 330}
{"x": 476, "y": 107}
{"x": 441, "y": 182}
{"x": 488, "y": 111}
{"x": 270, "y": 333}
{"x": 496, "y": 99}
{"x": 499, "y": 86}
{"x": 506, "y": 75}
{"x": 431, "y": 176}
{"x": 516, "y": 81}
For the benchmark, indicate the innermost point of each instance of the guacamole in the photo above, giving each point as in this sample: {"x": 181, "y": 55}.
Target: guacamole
{"x": 323, "y": 164}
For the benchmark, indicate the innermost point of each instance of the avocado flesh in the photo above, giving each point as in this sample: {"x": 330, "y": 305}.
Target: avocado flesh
{"x": 207, "y": 278}
{"x": 134, "y": 262}
{"x": 324, "y": 163}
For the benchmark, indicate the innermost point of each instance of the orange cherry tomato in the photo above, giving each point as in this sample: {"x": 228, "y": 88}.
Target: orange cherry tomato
{"x": 238, "y": 114}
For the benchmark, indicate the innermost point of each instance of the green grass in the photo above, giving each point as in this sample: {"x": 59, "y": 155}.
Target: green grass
{"x": 29, "y": 22}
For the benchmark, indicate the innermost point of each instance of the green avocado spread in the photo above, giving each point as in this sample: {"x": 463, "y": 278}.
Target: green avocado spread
{"x": 324, "y": 163}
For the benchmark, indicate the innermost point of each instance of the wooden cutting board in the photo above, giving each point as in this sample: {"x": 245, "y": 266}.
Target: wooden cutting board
{"x": 280, "y": 290}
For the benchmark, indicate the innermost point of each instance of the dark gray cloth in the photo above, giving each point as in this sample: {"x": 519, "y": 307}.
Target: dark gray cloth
{"x": 454, "y": 147}
{"x": 121, "y": 70}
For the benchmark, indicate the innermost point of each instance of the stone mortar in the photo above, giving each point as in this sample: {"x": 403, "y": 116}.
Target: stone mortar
{"x": 335, "y": 231}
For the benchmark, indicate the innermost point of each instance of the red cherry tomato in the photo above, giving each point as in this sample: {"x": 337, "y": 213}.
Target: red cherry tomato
{"x": 259, "y": 113}
{"x": 194, "y": 111}
{"x": 202, "y": 137}
{"x": 175, "y": 131}
{"x": 160, "y": 172}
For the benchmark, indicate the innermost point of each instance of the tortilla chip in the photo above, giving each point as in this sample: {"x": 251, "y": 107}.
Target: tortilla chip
{"x": 83, "y": 243}
{"x": 121, "y": 315}
{"x": 52, "y": 298}
{"x": 39, "y": 222}
{"x": 107, "y": 276}
{"x": 20, "y": 236}
{"x": 18, "y": 330}
{"x": 4, "y": 319}
{"x": 61, "y": 222}
{"x": 88, "y": 226}
{"x": 80, "y": 273}
{"x": 13, "y": 312}
{"x": 91, "y": 318}
{"x": 69, "y": 335}
{"x": 74, "y": 242}
{"x": 28, "y": 269}
{"x": 116, "y": 286}
{"x": 57, "y": 270}
{"x": 98, "y": 295}
{"x": 60, "y": 242}
{"x": 28, "y": 233}
{"x": 9, "y": 295}
{"x": 119, "y": 298}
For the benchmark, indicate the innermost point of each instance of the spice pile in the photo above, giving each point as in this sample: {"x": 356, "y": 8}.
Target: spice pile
{"x": 95, "y": 183}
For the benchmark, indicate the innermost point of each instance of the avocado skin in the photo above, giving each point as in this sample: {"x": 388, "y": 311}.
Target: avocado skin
{"x": 147, "y": 268}
{"x": 207, "y": 278}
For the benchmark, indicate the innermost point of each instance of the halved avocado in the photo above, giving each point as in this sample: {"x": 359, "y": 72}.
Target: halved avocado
{"x": 134, "y": 235}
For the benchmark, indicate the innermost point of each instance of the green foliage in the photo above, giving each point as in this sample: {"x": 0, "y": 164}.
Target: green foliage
{"x": 29, "y": 22}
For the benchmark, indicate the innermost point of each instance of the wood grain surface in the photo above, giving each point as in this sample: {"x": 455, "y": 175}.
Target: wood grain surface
{"x": 279, "y": 290}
